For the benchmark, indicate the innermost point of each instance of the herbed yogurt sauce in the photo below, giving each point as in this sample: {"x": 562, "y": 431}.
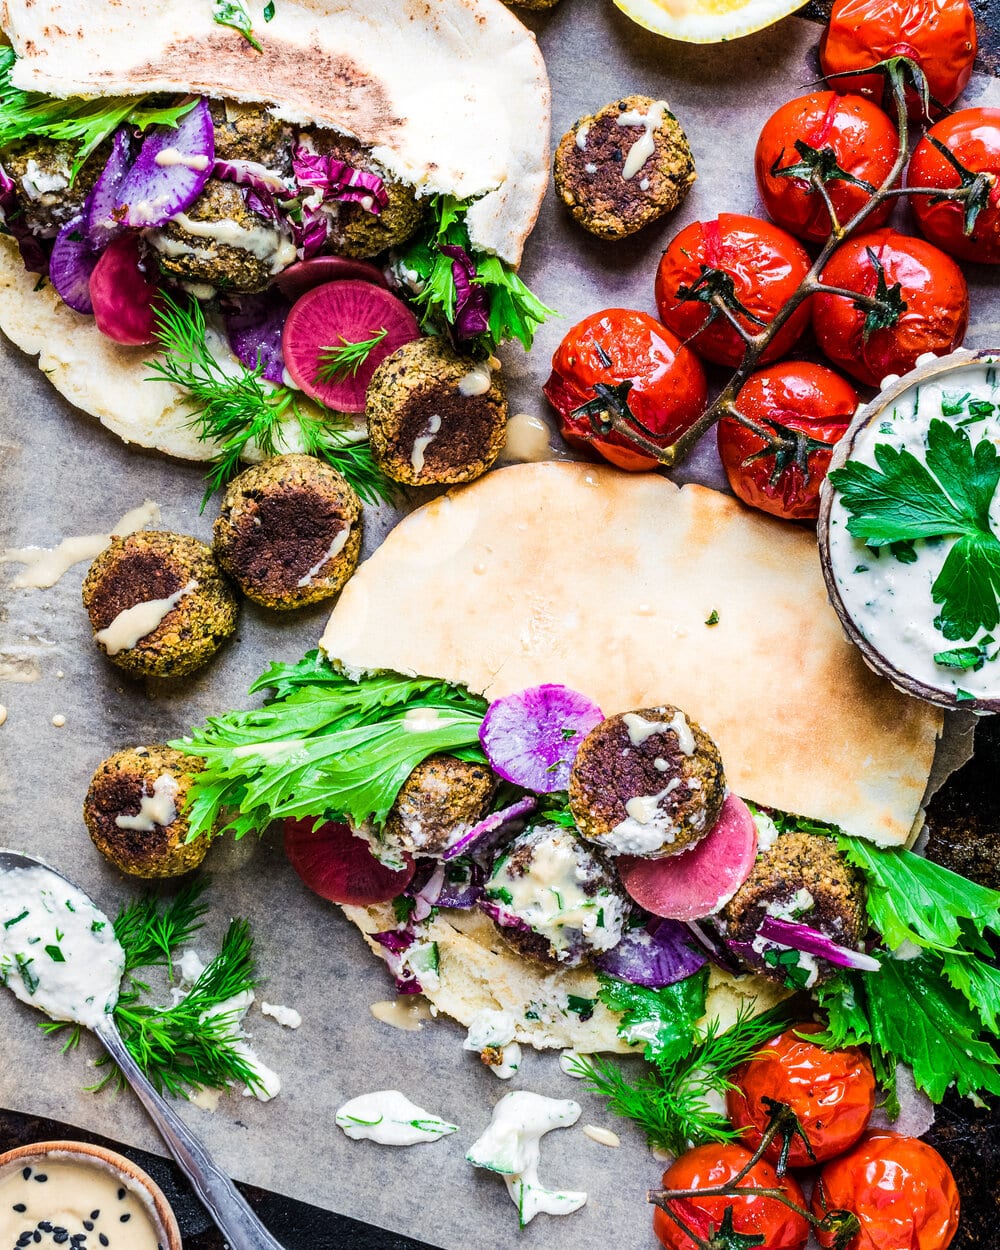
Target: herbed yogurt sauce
{"x": 890, "y": 601}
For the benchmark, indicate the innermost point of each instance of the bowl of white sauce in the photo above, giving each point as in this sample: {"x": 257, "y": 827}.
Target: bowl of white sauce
{"x": 909, "y": 531}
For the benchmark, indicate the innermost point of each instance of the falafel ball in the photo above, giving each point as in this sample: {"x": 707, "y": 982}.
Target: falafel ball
{"x": 354, "y": 230}
{"x": 647, "y": 783}
{"x": 439, "y": 800}
{"x": 251, "y": 132}
{"x": 624, "y": 167}
{"x": 554, "y": 899}
{"x": 801, "y": 877}
{"x": 289, "y": 531}
{"x": 222, "y": 243}
{"x": 435, "y": 416}
{"x": 158, "y": 603}
{"x": 44, "y": 187}
{"x": 134, "y": 812}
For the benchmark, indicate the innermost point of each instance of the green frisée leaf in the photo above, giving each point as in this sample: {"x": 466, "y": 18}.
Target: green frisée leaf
{"x": 979, "y": 982}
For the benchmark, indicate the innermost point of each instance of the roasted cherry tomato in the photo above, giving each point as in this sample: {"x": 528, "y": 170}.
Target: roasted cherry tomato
{"x": 900, "y": 1189}
{"x": 750, "y": 264}
{"x": 821, "y": 136}
{"x": 809, "y": 399}
{"x": 868, "y": 344}
{"x": 708, "y": 1166}
{"x": 973, "y": 138}
{"x": 831, "y": 1091}
{"x": 940, "y": 35}
{"x": 611, "y": 349}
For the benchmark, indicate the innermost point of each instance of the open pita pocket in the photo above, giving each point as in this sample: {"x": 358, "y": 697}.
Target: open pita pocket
{"x": 606, "y": 582}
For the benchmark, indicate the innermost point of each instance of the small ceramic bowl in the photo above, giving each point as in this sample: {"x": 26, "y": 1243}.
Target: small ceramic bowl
{"x": 128, "y": 1174}
{"x": 881, "y": 633}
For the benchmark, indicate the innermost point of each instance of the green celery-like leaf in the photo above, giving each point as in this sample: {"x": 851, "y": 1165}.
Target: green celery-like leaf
{"x": 662, "y": 1021}
{"x": 979, "y": 982}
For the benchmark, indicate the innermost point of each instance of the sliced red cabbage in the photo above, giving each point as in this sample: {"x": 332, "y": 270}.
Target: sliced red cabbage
{"x": 803, "y": 937}
{"x": 254, "y": 325}
{"x": 396, "y": 942}
{"x": 251, "y": 174}
{"x": 6, "y": 185}
{"x": 170, "y": 172}
{"x": 654, "y": 956}
{"x": 34, "y": 256}
{"x": 101, "y": 224}
{"x": 336, "y": 180}
{"x": 71, "y": 264}
{"x": 428, "y": 896}
{"x": 714, "y": 947}
{"x": 475, "y": 838}
{"x": 504, "y": 918}
{"x": 531, "y": 738}
{"x": 463, "y": 885}
{"x": 310, "y": 234}
{"x": 472, "y": 305}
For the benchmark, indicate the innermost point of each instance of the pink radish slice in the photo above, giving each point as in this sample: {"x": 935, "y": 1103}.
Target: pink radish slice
{"x": 697, "y": 882}
{"x": 330, "y": 316}
{"x": 339, "y": 866}
{"x": 123, "y": 295}
{"x": 294, "y": 281}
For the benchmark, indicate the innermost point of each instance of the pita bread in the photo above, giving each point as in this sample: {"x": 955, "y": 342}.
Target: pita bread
{"x": 605, "y": 581}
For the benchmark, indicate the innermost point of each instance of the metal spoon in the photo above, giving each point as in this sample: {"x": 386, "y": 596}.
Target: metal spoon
{"x": 222, "y": 1200}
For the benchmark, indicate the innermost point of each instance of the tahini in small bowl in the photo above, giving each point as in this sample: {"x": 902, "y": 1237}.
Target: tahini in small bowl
{"x": 885, "y": 598}
{"x": 91, "y": 1193}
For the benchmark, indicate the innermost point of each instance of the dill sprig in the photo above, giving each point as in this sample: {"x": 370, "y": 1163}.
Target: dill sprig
{"x": 150, "y": 932}
{"x": 89, "y": 123}
{"x": 236, "y": 407}
{"x": 676, "y": 1100}
{"x": 347, "y": 358}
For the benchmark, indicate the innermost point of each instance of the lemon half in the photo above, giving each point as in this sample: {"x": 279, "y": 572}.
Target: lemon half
{"x": 706, "y": 21}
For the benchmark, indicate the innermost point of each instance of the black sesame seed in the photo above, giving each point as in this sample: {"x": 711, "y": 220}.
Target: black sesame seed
{"x": 36, "y": 1235}
{"x": 44, "y": 1226}
{"x": 88, "y": 1225}
{"x": 95, "y": 1214}
{"x": 124, "y": 1219}
{"x": 59, "y": 1236}
{"x": 24, "y": 1239}
{"x": 26, "y": 1172}
{"x": 103, "y": 1240}
{"x": 121, "y": 1194}
{"x": 60, "y": 1230}
{"x": 19, "y": 1206}
{"x": 40, "y": 1176}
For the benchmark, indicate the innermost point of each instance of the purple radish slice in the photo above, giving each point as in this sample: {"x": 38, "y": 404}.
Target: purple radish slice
{"x": 531, "y": 738}
{"x": 294, "y": 281}
{"x": 654, "y": 956}
{"x": 254, "y": 325}
{"x": 170, "y": 171}
{"x": 803, "y": 937}
{"x": 330, "y": 316}
{"x": 101, "y": 224}
{"x": 124, "y": 296}
{"x": 338, "y": 866}
{"x": 475, "y": 838}
{"x": 697, "y": 882}
{"x": 71, "y": 265}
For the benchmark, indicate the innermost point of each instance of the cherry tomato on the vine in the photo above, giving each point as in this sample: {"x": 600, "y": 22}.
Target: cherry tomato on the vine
{"x": 925, "y": 305}
{"x": 708, "y": 1166}
{"x": 750, "y": 265}
{"x": 822, "y": 137}
{"x": 901, "y": 1190}
{"x": 592, "y": 369}
{"x": 972, "y": 136}
{"x": 832, "y": 1092}
{"x": 940, "y": 35}
{"x": 804, "y": 398}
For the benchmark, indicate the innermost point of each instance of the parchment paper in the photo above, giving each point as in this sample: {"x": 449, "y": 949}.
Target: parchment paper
{"x": 63, "y": 475}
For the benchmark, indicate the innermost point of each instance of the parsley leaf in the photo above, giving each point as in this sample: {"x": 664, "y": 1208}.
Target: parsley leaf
{"x": 663, "y": 1020}
{"x": 232, "y": 13}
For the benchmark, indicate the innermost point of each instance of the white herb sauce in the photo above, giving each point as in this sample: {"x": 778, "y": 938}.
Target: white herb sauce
{"x": 389, "y": 1118}
{"x": 476, "y": 382}
{"x": 494, "y": 1030}
{"x": 889, "y": 601}
{"x": 527, "y": 440}
{"x": 287, "y": 1017}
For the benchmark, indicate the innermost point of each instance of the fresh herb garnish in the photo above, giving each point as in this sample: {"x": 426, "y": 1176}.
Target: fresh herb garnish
{"x": 337, "y": 362}
{"x": 241, "y": 409}
{"x": 662, "y": 1021}
{"x": 713, "y": 617}
{"x": 269, "y": 11}
{"x": 904, "y": 499}
{"x": 965, "y": 657}
{"x": 232, "y": 13}
{"x": 55, "y": 954}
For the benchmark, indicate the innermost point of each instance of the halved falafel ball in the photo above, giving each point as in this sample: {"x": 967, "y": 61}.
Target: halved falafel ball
{"x": 251, "y": 132}
{"x": 435, "y": 416}
{"x": 134, "y": 812}
{"x": 624, "y": 167}
{"x": 44, "y": 187}
{"x": 439, "y": 800}
{"x": 554, "y": 898}
{"x": 158, "y": 603}
{"x": 801, "y": 877}
{"x": 289, "y": 531}
{"x": 219, "y": 241}
{"x": 647, "y": 783}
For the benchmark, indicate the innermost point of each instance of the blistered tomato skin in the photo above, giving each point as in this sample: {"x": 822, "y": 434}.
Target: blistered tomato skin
{"x": 766, "y": 266}
{"x": 832, "y": 1092}
{"x": 973, "y": 136}
{"x": 940, "y": 35}
{"x": 801, "y": 396}
{"x": 708, "y": 1166}
{"x": 931, "y": 285}
{"x": 668, "y": 392}
{"x": 863, "y": 141}
{"x": 900, "y": 1189}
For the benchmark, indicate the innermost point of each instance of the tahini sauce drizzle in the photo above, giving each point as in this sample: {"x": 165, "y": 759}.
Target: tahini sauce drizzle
{"x": 133, "y": 624}
{"x": 158, "y": 808}
{"x": 46, "y": 565}
{"x": 334, "y": 550}
{"x": 527, "y": 440}
{"x": 407, "y": 1013}
{"x": 645, "y": 145}
{"x": 424, "y": 441}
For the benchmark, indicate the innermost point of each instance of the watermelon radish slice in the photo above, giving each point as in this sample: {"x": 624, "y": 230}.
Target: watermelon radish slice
{"x": 294, "y": 281}
{"x": 338, "y": 866}
{"x": 531, "y": 738}
{"x": 124, "y": 296}
{"x": 335, "y": 314}
{"x": 697, "y": 882}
